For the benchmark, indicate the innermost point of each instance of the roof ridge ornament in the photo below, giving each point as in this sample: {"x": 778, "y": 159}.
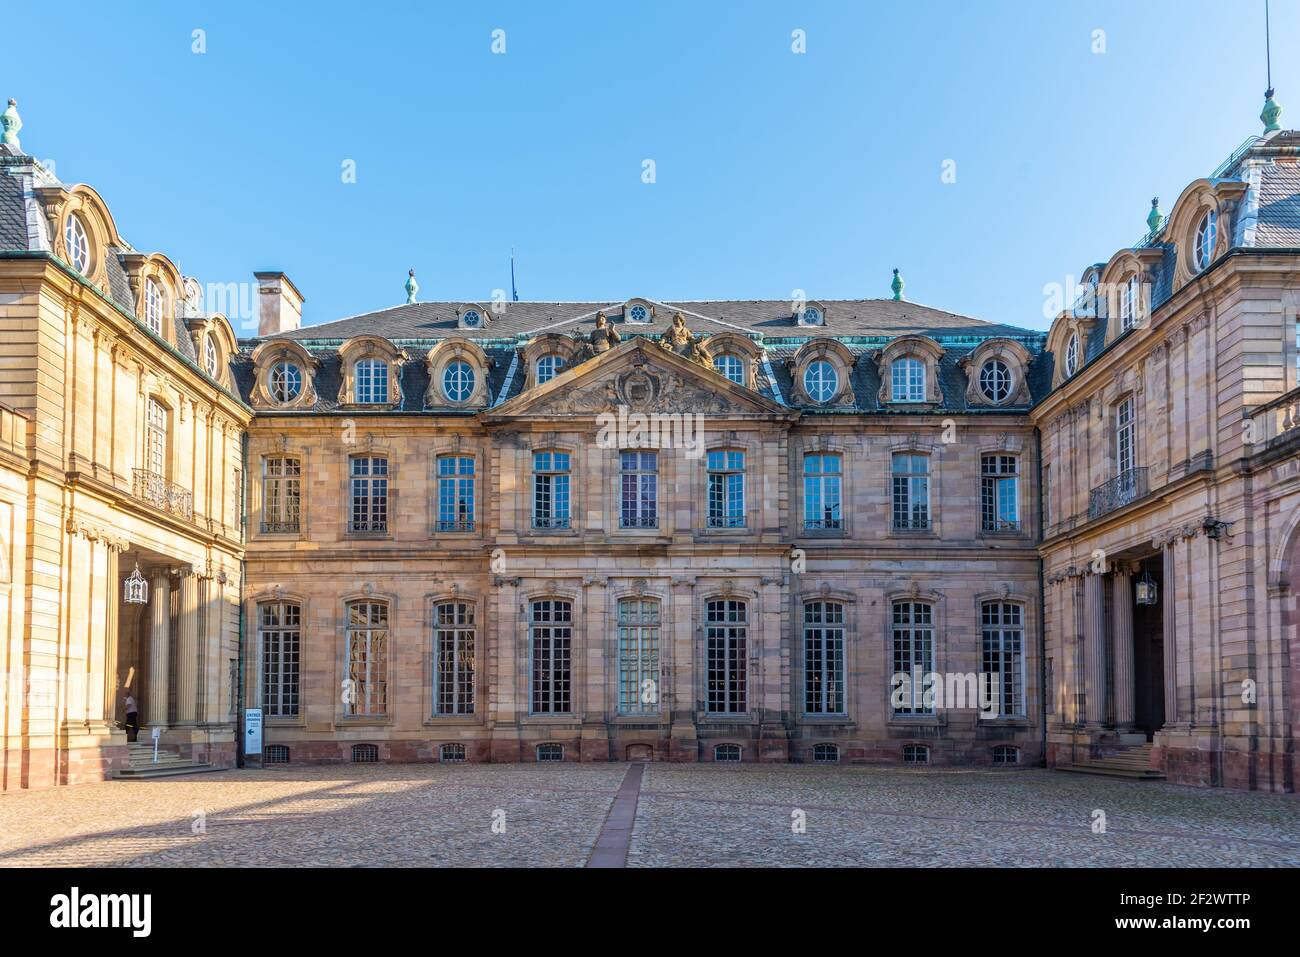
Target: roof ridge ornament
{"x": 897, "y": 286}
{"x": 412, "y": 287}
{"x": 1155, "y": 219}
{"x": 12, "y": 123}
{"x": 1268, "y": 116}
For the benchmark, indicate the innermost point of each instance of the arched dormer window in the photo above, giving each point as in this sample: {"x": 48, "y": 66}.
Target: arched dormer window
{"x": 1073, "y": 352}
{"x": 735, "y": 357}
{"x": 471, "y": 316}
{"x": 549, "y": 366}
{"x": 909, "y": 371}
{"x": 283, "y": 373}
{"x": 638, "y": 312}
{"x": 1204, "y": 240}
{"x": 547, "y": 356}
{"x": 730, "y": 367}
{"x": 156, "y": 283}
{"x": 77, "y": 242}
{"x": 371, "y": 372}
{"x": 821, "y": 370}
{"x": 809, "y": 313}
{"x": 81, "y": 230}
{"x": 997, "y": 373}
{"x": 458, "y": 371}
{"x": 1201, "y": 224}
{"x": 153, "y": 306}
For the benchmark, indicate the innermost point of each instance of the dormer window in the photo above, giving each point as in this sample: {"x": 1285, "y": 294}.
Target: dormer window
{"x": 210, "y": 355}
{"x": 821, "y": 381}
{"x": 639, "y": 313}
{"x": 548, "y": 367}
{"x": 995, "y": 380}
{"x": 78, "y": 243}
{"x": 1072, "y": 356}
{"x": 471, "y": 319}
{"x": 285, "y": 382}
{"x": 153, "y": 306}
{"x": 1128, "y": 304}
{"x": 458, "y": 381}
{"x": 731, "y": 368}
{"x": 812, "y": 316}
{"x": 372, "y": 381}
{"x": 908, "y": 380}
{"x": 1206, "y": 234}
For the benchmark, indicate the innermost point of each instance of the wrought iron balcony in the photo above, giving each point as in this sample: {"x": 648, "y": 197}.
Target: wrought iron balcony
{"x": 153, "y": 489}
{"x": 1128, "y": 486}
{"x": 550, "y": 521}
{"x": 280, "y": 528}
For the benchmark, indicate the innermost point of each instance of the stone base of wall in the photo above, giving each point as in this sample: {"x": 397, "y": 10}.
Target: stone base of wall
{"x": 37, "y": 768}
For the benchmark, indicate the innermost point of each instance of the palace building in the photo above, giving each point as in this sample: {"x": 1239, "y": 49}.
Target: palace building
{"x": 853, "y": 531}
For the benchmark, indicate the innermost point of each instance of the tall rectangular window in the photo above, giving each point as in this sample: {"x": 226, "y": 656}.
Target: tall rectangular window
{"x": 369, "y": 495}
{"x": 366, "y": 653}
{"x": 281, "y": 491}
{"x": 1000, "y": 493}
{"x": 821, "y": 491}
{"x": 371, "y": 381}
{"x": 726, "y": 489}
{"x": 913, "y": 654}
{"x": 823, "y": 657}
{"x": 455, "y": 493}
{"x": 453, "y": 651}
{"x": 726, "y": 641}
{"x": 1003, "y": 658}
{"x": 156, "y": 437}
{"x": 279, "y": 627}
{"x": 1125, "y": 437}
{"x": 911, "y": 474}
{"x": 638, "y": 656}
{"x": 907, "y": 379}
{"x": 551, "y": 642}
{"x": 551, "y": 489}
{"x": 639, "y": 475}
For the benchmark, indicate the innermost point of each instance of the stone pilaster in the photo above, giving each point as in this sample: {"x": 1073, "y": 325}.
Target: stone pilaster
{"x": 1094, "y": 641}
{"x": 684, "y": 745}
{"x": 1122, "y": 647}
{"x": 1168, "y": 619}
{"x": 187, "y": 649}
{"x": 159, "y": 639}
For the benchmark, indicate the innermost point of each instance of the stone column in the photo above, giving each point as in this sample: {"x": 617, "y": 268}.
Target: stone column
{"x": 1094, "y": 641}
{"x": 1122, "y": 647}
{"x": 213, "y": 671}
{"x": 111, "y": 676}
{"x": 159, "y": 638}
{"x": 187, "y": 649}
{"x": 1168, "y": 621}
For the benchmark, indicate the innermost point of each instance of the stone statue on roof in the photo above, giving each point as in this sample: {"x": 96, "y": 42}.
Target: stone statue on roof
{"x": 680, "y": 340}
{"x": 604, "y": 337}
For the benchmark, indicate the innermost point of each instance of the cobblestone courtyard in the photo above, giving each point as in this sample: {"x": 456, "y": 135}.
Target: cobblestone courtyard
{"x": 432, "y": 815}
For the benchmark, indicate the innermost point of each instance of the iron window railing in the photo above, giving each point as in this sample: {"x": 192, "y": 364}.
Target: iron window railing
{"x": 153, "y": 489}
{"x": 1129, "y": 486}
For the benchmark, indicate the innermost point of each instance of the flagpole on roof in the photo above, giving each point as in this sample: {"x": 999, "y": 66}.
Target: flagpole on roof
{"x": 514, "y": 293}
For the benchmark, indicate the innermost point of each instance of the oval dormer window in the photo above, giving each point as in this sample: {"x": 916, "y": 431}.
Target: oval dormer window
{"x": 471, "y": 319}
{"x": 995, "y": 381}
{"x": 210, "y": 356}
{"x": 821, "y": 381}
{"x": 285, "y": 382}
{"x": 1072, "y": 356}
{"x": 812, "y": 316}
{"x": 638, "y": 313}
{"x": 1206, "y": 233}
{"x": 458, "y": 381}
{"x": 78, "y": 243}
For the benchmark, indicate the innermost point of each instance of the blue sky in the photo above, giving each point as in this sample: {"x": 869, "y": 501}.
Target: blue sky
{"x": 774, "y": 171}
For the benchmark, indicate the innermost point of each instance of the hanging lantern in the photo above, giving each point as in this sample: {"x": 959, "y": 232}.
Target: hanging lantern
{"x": 1146, "y": 590}
{"x": 135, "y": 588}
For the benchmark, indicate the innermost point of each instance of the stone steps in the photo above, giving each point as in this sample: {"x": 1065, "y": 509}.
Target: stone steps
{"x": 1132, "y": 763}
{"x": 169, "y": 763}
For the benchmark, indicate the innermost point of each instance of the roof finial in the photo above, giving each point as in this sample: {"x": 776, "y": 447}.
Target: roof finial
{"x": 1269, "y": 115}
{"x": 1155, "y": 219}
{"x": 897, "y": 286}
{"x": 412, "y": 287}
{"x": 12, "y": 123}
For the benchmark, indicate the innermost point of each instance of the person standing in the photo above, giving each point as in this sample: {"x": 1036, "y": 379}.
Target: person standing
{"x": 132, "y": 718}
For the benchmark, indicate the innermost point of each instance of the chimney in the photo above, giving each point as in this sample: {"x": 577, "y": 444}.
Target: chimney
{"x": 279, "y": 304}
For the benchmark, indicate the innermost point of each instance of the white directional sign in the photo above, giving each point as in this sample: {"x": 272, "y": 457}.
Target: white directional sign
{"x": 253, "y": 731}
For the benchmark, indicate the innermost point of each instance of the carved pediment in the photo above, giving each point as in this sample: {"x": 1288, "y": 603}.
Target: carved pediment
{"x": 640, "y": 377}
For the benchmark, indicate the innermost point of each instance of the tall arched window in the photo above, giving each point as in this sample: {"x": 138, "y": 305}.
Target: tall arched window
{"x": 280, "y": 635}
{"x": 371, "y": 379}
{"x": 1003, "y": 660}
{"x": 365, "y": 691}
{"x": 453, "y": 650}
{"x": 638, "y": 656}
{"x": 913, "y": 654}
{"x": 1130, "y": 304}
{"x": 153, "y": 306}
{"x": 726, "y": 641}
{"x": 823, "y": 657}
{"x": 550, "y": 640}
